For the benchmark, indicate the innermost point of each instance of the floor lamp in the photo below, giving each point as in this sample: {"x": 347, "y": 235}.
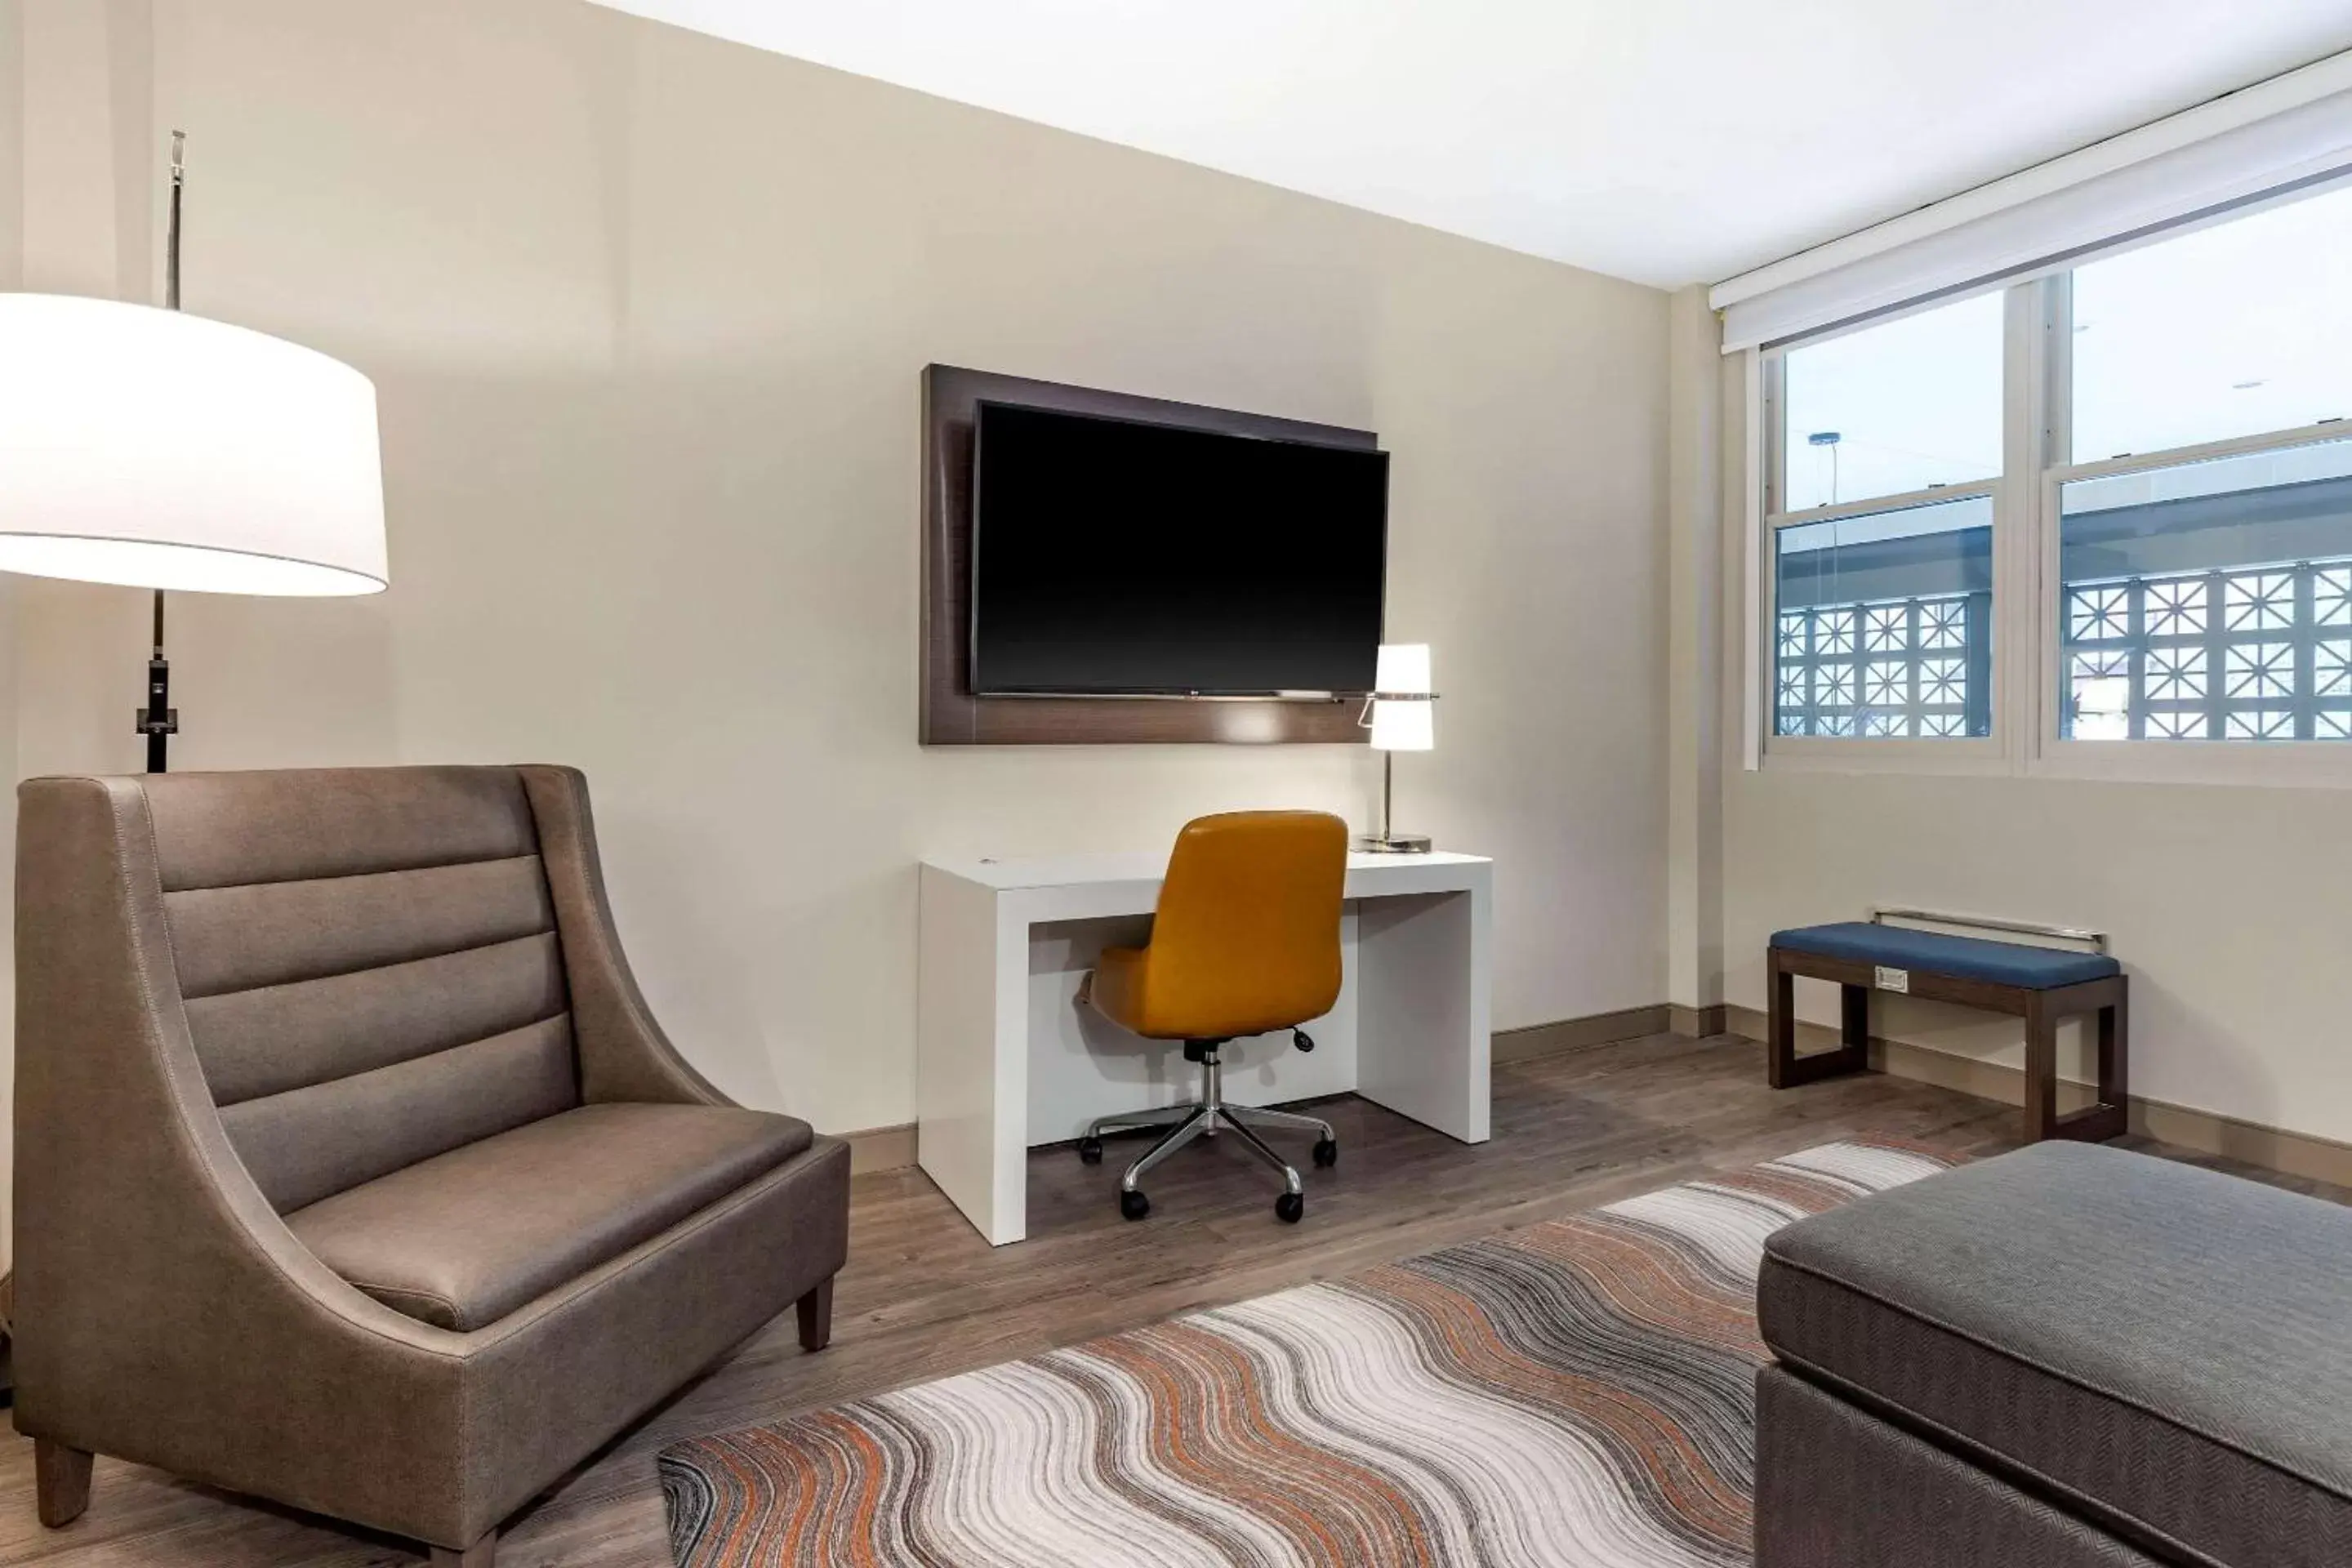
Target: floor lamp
{"x": 153, "y": 449}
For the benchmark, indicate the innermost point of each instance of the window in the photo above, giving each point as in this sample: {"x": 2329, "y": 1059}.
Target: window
{"x": 2125, "y": 479}
{"x": 2228, "y": 331}
{"x": 2202, "y": 594}
{"x": 2209, "y": 601}
{"x": 1882, "y": 558}
{"x": 1886, "y": 624}
{"x": 1910, "y": 405}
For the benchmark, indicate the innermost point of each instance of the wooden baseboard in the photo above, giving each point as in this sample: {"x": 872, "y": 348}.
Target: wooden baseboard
{"x": 1696, "y": 1022}
{"x": 2206, "y": 1131}
{"x": 1579, "y": 1033}
{"x": 880, "y": 1148}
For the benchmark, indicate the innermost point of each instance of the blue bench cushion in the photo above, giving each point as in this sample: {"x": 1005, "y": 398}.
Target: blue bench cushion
{"x": 1968, "y": 957}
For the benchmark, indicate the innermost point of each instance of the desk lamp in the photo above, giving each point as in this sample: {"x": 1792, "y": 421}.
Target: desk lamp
{"x": 1401, "y": 716}
{"x": 156, "y": 450}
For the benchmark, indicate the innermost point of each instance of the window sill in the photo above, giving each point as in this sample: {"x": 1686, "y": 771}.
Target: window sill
{"x": 2276, "y": 764}
{"x": 1977, "y": 757}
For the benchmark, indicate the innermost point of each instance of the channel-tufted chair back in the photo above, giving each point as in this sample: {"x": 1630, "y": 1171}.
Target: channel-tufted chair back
{"x": 369, "y": 964}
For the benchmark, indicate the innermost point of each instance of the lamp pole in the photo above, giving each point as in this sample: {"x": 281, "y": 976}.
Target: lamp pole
{"x": 159, "y": 720}
{"x": 1829, "y": 438}
{"x": 1388, "y": 793}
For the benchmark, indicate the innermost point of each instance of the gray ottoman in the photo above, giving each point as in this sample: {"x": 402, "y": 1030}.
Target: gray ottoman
{"x": 2067, "y": 1355}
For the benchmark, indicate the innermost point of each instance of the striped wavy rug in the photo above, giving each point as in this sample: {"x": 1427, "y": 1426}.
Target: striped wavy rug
{"x": 1575, "y": 1393}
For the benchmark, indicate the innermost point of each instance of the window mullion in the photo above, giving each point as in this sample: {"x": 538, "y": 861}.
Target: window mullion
{"x": 2027, "y": 368}
{"x": 2056, "y": 445}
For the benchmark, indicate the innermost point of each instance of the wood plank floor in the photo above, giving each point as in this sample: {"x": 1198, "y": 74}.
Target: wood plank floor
{"x": 923, "y": 1295}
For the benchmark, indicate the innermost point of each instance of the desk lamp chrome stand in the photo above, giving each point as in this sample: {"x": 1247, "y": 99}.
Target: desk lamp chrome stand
{"x": 1388, "y": 840}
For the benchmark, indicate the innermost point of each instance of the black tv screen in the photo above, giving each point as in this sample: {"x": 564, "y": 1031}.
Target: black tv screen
{"x": 1114, "y": 557}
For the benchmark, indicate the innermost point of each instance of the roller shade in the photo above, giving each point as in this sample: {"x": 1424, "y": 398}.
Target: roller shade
{"x": 2288, "y": 135}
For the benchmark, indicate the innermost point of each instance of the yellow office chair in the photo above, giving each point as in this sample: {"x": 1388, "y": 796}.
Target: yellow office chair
{"x": 1246, "y": 940}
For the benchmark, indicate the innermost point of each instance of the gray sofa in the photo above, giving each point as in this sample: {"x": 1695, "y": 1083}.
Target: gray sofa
{"x": 2071, "y": 1356}
{"x": 351, "y": 1169}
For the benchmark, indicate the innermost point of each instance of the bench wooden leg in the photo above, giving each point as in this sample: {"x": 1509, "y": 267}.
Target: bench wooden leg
{"x": 1784, "y": 1068}
{"x": 2115, "y": 1052}
{"x": 2111, "y": 1117}
{"x": 1780, "y": 1046}
{"x": 2040, "y": 1071}
{"x": 60, "y": 1482}
{"x": 1853, "y": 1023}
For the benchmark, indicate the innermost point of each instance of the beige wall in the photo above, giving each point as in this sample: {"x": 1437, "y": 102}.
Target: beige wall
{"x": 12, "y": 276}
{"x": 646, "y": 314}
{"x": 2230, "y": 905}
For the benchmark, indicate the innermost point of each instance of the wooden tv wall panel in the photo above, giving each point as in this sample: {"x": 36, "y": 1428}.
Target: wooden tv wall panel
{"x": 952, "y": 715}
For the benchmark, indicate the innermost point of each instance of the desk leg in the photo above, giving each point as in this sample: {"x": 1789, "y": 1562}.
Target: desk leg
{"x": 972, "y": 1052}
{"x": 1423, "y": 1024}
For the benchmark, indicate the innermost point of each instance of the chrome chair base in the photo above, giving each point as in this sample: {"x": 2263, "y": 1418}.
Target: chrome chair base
{"x": 1210, "y": 1114}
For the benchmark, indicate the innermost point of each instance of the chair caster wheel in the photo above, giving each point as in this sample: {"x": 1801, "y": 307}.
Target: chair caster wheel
{"x": 1289, "y": 1207}
{"x": 1134, "y": 1206}
{"x": 1090, "y": 1151}
{"x": 1326, "y": 1151}
{"x": 1302, "y": 1039}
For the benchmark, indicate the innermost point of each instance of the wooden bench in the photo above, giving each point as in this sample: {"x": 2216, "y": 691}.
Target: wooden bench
{"x": 2042, "y": 985}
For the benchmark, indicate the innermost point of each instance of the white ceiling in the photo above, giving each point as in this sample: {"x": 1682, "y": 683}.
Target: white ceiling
{"x": 1670, "y": 142}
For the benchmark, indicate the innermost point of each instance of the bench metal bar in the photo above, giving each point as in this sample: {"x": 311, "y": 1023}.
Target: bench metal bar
{"x": 1880, "y": 914}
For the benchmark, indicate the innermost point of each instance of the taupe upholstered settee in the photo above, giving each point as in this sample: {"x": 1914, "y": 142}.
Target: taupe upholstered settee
{"x": 350, "y": 1169}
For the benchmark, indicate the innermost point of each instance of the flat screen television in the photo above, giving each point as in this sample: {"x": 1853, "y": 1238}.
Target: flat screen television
{"x": 1117, "y": 557}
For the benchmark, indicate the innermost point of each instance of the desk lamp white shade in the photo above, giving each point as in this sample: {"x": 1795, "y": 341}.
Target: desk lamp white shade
{"x": 1408, "y": 724}
{"x": 153, "y": 449}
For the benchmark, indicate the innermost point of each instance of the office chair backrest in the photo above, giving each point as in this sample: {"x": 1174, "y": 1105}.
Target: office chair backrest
{"x": 1247, "y": 934}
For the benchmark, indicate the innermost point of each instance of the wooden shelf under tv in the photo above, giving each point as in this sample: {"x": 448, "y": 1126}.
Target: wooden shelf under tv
{"x": 952, "y": 715}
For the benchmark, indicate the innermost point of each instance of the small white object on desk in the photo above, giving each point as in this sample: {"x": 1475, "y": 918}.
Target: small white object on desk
{"x": 1005, "y": 1058}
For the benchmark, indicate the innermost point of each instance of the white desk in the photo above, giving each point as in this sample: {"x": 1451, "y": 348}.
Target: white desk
{"x": 1006, "y": 1060}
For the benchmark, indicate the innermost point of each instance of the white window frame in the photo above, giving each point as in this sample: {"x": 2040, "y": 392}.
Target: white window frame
{"x": 2028, "y": 641}
{"x": 1997, "y": 752}
{"x": 2228, "y": 763}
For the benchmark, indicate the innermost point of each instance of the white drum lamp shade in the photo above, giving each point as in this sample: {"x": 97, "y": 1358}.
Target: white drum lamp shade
{"x": 155, "y": 449}
{"x": 1403, "y": 715}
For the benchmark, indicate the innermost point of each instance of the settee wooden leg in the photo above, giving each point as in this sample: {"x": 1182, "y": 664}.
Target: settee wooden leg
{"x": 816, "y": 1316}
{"x": 60, "y": 1481}
{"x": 483, "y": 1553}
